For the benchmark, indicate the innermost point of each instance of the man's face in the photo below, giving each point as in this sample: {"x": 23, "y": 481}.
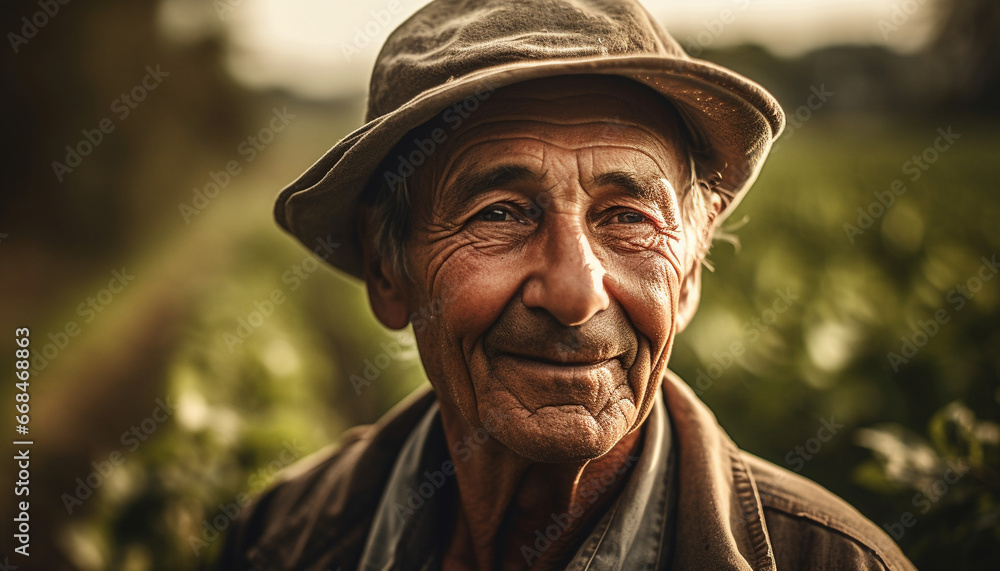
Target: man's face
{"x": 547, "y": 228}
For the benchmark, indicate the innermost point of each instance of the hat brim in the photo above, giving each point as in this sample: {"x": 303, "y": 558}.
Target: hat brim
{"x": 731, "y": 118}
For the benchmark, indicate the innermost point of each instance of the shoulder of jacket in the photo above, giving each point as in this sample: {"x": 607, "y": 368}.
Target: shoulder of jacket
{"x": 798, "y": 509}
{"x": 278, "y": 511}
{"x": 334, "y": 483}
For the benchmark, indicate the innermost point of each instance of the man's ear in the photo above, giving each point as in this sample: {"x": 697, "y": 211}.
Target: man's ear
{"x": 387, "y": 291}
{"x": 690, "y": 294}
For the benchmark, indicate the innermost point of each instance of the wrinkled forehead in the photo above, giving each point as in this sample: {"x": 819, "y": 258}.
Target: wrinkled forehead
{"x": 583, "y": 110}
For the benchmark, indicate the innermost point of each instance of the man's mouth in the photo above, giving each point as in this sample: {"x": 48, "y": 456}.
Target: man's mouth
{"x": 530, "y": 349}
{"x": 561, "y": 360}
{"x": 567, "y": 381}
{"x": 546, "y": 373}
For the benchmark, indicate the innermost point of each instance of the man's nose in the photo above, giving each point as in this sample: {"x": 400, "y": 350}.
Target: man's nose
{"x": 566, "y": 278}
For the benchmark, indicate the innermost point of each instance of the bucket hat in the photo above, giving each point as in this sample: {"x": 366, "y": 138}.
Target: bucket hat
{"x": 456, "y": 52}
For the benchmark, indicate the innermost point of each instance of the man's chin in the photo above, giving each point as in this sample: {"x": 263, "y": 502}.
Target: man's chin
{"x": 563, "y": 433}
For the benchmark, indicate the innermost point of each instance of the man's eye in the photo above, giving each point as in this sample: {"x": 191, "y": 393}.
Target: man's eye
{"x": 630, "y": 217}
{"x": 495, "y": 214}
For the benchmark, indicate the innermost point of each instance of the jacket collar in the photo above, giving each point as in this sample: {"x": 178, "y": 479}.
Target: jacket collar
{"x": 719, "y": 512}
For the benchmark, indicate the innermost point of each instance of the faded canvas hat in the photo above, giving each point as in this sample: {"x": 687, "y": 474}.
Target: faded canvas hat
{"x": 454, "y": 51}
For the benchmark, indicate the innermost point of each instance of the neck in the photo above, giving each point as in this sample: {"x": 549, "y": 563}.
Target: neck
{"x": 510, "y": 508}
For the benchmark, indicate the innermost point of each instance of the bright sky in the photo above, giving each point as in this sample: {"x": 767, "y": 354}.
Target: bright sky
{"x": 324, "y": 48}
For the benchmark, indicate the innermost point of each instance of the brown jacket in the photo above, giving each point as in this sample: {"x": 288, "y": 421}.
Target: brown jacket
{"x": 734, "y": 510}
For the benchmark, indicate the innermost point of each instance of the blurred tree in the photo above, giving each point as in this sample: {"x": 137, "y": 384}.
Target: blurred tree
{"x": 968, "y": 42}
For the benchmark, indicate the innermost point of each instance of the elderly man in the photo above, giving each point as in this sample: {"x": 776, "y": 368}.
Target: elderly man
{"x": 542, "y": 179}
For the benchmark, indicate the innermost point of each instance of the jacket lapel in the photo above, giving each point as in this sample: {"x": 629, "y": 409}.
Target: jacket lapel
{"x": 720, "y": 520}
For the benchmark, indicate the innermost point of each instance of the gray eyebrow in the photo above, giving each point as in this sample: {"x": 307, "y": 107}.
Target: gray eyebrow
{"x": 643, "y": 188}
{"x": 648, "y": 188}
{"x": 468, "y": 185}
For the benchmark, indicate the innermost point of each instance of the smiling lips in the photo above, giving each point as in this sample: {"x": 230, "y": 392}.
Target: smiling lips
{"x": 540, "y": 382}
{"x": 565, "y": 365}
{"x": 560, "y": 357}
{"x": 571, "y": 374}
{"x": 562, "y": 361}
{"x": 543, "y": 363}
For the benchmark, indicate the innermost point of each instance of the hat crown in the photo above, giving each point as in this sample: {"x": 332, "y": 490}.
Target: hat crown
{"x": 448, "y": 39}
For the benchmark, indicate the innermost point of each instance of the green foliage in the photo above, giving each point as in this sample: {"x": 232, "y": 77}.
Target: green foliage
{"x": 951, "y": 482}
